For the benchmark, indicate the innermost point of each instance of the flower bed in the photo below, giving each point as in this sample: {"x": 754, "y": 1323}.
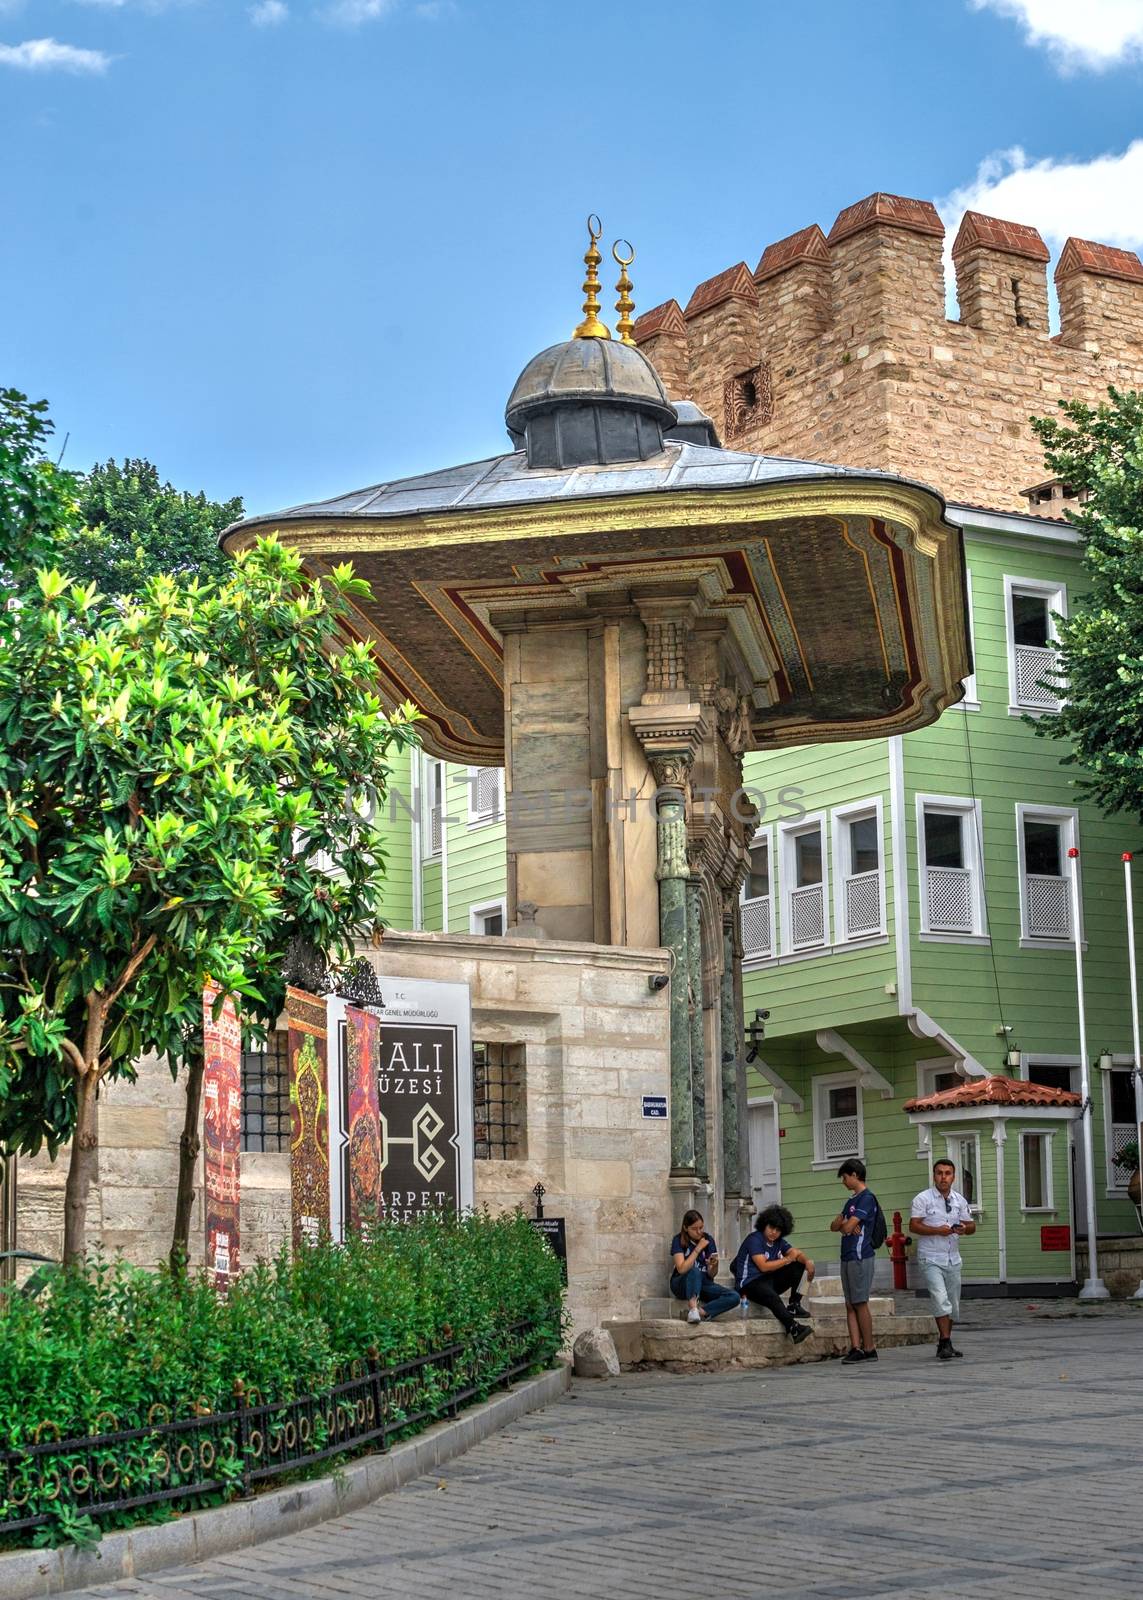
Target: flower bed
{"x": 124, "y": 1395}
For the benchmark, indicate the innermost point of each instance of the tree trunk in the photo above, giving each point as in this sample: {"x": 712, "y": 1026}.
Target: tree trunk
{"x": 83, "y": 1166}
{"x": 189, "y": 1146}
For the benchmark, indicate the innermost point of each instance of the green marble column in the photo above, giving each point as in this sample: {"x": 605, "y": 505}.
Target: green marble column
{"x": 728, "y": 1064}
{"x": 671, "y": 872}
{"x": 697, "y": 1042}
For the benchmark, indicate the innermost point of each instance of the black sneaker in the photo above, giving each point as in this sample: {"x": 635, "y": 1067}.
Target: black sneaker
{"x": 797, "y": 1332}
{"x": 959, "y": 1354}
{"x": 945, "y": 1350}
{"x": 798, "y": 1309}
{"x": 853, "y": 1356}
{"x": 869, "y": 1355}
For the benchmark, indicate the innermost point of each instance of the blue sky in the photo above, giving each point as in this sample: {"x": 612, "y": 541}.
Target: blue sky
{"x": 285, "y": 248}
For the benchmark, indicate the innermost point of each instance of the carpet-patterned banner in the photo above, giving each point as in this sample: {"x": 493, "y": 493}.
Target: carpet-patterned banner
{"x": 309, "y": 1117}
{"x": 363, "y": 1052}
{"x": 222, "y": 1134}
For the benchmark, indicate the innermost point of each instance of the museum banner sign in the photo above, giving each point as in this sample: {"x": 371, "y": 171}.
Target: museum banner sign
{"x": 309, "y": 1117}
{"x": 221, "y": 1134}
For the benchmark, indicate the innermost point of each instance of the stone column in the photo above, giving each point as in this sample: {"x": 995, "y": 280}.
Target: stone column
{"x": 671, "y": 873}
{"x": 731, "y": 1052}
{"x": 694, "y": 1008}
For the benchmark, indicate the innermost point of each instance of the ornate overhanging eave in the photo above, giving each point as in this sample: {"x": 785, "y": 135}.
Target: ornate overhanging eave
{"x": 845, "y": 595}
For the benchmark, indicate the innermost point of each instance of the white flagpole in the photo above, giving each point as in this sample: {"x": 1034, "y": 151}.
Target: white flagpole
{"x": 1094, "y": 1287}
{"x": 1138, "y": 1079}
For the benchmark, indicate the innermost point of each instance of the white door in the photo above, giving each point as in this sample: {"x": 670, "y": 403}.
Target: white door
{"x": 765, "y": 1167}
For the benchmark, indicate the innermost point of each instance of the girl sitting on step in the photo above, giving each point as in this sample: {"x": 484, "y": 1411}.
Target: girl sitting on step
{"x": 694, "y": 1263}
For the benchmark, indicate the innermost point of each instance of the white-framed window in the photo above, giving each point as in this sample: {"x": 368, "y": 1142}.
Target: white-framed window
{"x": 1036, "y": 1172}
{"x": 804, "y": 880}
{"x": 859, "y": 871}
{"x": 758, "y": 934}
{"x": 839, "y": 1128}
{"x": 933, "y": 1076}
{"x": 1030, "y": 609}
{"x": 1044, "y": 835}
{"x": 490, "y": 918}
{"x": 485, "y": 795}
{"x": 963, "y": 1150}
{"x": 432, "y": 806}
{"x": 971, "y": 701}
{"x": 949, "y": 854}
{"x": 1119, "y": 1125}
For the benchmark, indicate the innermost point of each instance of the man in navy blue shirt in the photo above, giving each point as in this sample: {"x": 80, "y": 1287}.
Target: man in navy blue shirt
{"x": 855, "y": 1224}
{"x": 694, "y": 1263}
{"x": 767, "y": 1265}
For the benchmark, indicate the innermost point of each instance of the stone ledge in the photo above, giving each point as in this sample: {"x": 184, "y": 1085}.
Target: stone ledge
{"x": 201, "y": 1535}
{"x": 713, "y": 1346}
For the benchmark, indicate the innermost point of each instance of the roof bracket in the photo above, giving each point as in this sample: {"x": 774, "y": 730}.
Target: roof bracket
{"x": 834, "y": 1045}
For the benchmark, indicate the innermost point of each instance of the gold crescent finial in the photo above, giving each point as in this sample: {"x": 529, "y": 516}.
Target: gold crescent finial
{"x": 591, "y": 327}
{"x": 624, "y": 305}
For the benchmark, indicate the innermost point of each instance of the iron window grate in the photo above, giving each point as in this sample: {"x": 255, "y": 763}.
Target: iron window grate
{"x": 498, "y": 1101}
{"x": 266, "y": 1095}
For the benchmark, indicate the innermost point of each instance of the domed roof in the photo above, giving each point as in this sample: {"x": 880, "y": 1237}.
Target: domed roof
{"x": 596, "y": 371}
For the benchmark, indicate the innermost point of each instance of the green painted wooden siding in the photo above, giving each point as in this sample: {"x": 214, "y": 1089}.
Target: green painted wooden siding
{"x": 395, "y": 828}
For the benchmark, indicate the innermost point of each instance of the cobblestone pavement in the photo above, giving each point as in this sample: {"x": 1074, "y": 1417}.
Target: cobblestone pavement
{"x": 1015, "y": 1472}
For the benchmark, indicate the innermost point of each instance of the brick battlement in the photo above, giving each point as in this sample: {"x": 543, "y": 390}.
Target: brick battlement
{"x": 847, "y": 337}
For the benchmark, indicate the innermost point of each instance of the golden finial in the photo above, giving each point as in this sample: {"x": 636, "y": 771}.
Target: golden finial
{"x": 624, "y": 305}
{"x": 591, "y": 327}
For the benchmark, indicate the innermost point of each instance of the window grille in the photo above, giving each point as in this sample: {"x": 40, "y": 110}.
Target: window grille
{"x": 498, "y": 1102}
{"x": 841, "y": 1126}
{"x": 863, "y": 904}
{"x": 484, "y": 794}
{"x": 949, "y": 899}
{"x": 807, "y": 917}
{"x": 266, "y": 1095}
{"x": 1049, "y": 906}
{"x": 1033, "y": 663}
{"x": 756, "y": 935}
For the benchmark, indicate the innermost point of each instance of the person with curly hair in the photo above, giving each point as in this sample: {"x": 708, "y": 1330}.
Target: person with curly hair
{"x": 768, "y": 1265}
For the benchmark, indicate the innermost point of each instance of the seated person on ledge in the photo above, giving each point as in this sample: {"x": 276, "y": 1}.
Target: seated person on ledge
{"x": 694, "y": 1262}
{"x": 767, "y": 1264}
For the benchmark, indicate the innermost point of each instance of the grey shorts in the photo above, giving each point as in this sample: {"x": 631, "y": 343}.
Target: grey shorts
{"x": 943, "y": 1283}
{"x": 857, "y": 1280}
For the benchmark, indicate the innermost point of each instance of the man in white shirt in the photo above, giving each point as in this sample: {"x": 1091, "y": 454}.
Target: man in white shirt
{"x": 941, "y": 1217}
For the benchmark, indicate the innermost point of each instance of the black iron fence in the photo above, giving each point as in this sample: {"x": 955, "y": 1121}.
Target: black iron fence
{"x": 218, "y": 1455}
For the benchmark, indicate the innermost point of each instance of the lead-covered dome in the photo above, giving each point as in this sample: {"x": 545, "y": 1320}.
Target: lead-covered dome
{"x": 588, "y": 402}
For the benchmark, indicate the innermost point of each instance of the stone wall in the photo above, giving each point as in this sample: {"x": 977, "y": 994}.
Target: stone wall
{"x": 596, "y": 1039}
{"x": 844, "y": 349}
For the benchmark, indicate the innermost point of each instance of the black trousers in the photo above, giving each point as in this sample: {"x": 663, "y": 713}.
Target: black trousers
{"x": 767, "y": 1290}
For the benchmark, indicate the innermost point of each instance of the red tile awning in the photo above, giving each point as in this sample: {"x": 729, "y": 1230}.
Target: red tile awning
{"x": 995, "y": 1091}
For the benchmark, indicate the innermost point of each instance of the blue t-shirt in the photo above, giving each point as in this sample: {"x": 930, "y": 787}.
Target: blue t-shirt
{"x": 859, "y": 1246}
{"x": 756, "y": 1244}
{"x": 679, "y": 1243}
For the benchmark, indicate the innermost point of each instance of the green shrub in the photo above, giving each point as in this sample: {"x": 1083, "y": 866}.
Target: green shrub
{"x": 111, "y": 1347}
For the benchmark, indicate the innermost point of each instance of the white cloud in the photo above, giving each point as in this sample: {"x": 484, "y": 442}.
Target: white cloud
{"x": 1097, "y": 199}
{"x": 268, "y": 13}
{"x": 46, "y": 55}
{"x": 353, "y": 12}
{"x": 1096, "y": 34}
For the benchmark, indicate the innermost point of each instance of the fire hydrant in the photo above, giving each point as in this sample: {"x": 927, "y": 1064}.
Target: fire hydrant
{"x": 898, "y": 1243}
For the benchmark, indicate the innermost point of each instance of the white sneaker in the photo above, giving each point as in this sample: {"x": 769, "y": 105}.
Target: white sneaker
{"x": 693, "y": 1315}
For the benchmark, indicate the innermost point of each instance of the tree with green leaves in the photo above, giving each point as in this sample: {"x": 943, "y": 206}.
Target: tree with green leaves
{"x": 39, "y": 501}
{"x": 1098, "y": 452}
{"x": 133, "y": 526}
{"x": 170, "y": 768}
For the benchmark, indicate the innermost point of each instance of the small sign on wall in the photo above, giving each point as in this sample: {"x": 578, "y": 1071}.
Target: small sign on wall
{"x": 655, "y": 1107}
{"x": 554, "y": 1230}
{"x": 1055, "y": 1237}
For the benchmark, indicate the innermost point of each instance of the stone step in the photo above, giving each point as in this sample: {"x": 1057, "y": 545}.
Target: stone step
{"x": 824, "y": 1307}
{"x": 738, "y": 1342}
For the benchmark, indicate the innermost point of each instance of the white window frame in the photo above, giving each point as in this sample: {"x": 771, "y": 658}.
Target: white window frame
{"x": 1068, "y": 818}
{"x": 841, "y": 817}
{"x": 927, "y": 1072}
{"x": 971, "y": 701}
{"x": 1116, "y": 1187}
{"x": 484, "y": 909}
{"x": 431, "y": 766}
{"x": 1056, "y": 594}
{"x": 973, "y": 835}
{"x": 764, "y": 835}
{"x": 788, "y": 832}
{"x": 952, "y": 1140}
{"x": 1047, "y": 1135}
{"x": 482, "y": 819}
{"x": 822, "y": 1084}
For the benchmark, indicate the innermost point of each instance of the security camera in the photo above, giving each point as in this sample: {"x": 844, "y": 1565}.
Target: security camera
{"x": 762, "y": 1016}
{"x": 657, "y": 981}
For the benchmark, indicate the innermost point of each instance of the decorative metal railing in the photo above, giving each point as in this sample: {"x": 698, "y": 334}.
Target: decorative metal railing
{"x": 218, "y": 1455}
